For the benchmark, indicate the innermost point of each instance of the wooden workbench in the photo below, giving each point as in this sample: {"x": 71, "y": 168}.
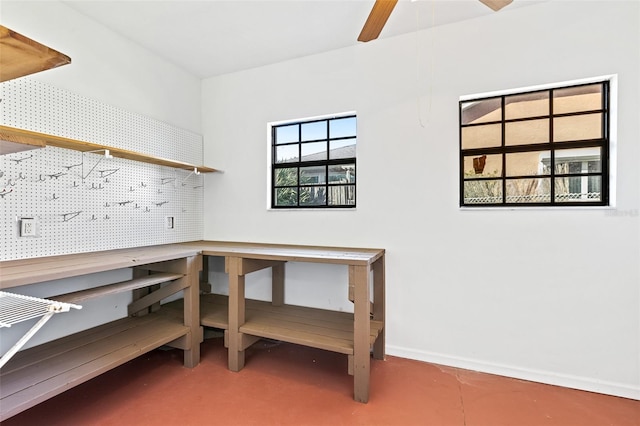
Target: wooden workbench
{"x": 43, "y": 371}
{"x": 246, "y": 321}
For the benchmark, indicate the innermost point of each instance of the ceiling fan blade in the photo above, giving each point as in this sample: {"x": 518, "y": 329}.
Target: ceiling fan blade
{"x": 496, "y": 4}
{"x": 376, "y": 20}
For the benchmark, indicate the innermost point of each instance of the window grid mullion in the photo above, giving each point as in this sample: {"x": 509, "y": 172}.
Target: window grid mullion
{"x": 503, "y": 144}
{"x": 552, "y": 157}
{"x": 604, "y": 162}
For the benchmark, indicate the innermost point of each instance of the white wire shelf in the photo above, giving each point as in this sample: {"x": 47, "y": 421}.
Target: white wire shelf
{"x": 16, "y": 308}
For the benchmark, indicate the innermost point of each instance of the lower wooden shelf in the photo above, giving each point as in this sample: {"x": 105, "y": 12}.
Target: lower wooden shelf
{"x": 318, "y": 328}
{"x": 39, "y": 373}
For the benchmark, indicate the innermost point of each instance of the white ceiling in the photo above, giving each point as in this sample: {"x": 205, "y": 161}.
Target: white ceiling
{"x": 213, "y": 37}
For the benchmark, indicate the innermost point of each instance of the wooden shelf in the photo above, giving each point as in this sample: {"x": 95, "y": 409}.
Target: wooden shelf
{"x": 317, "y": 328}
{"x": 39, "y": 373}
{"x": 21, "y": 136}
{"x": 79, "y": 296}
{"x": 20, "y": 56}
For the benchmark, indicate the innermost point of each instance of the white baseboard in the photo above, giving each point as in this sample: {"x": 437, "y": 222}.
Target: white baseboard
{"x": 565, "y": 380}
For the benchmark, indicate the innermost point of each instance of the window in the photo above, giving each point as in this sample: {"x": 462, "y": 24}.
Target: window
{"x": 545, "y": 147}
{"x": 314, "y": 163}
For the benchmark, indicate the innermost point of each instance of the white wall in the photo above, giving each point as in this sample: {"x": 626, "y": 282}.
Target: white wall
{"x": 106, "y": 66}
{"x": 114, "y": 71}
{"x": 549, "y": 295}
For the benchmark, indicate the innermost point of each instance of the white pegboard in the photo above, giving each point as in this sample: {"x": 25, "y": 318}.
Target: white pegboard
{"x": 120, "y": 204}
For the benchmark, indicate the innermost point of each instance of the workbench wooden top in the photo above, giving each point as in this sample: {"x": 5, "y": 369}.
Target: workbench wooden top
{"x": 15, "y": 273}
{"x": 287, "y": 252}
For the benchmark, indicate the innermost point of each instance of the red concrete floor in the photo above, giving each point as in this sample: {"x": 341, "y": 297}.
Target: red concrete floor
{"x": 285, "y": 384}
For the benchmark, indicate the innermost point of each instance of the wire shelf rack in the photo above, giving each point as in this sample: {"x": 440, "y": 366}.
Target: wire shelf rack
{"x": 16, "y": 308}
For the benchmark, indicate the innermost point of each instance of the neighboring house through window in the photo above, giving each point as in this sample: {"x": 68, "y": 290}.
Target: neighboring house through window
{"x": 544, "y": 147}
{"x": 314, "y": 163}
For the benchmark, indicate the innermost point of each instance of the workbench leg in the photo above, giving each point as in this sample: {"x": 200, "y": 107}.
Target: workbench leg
{"x": 361, "y": 333}
{"x": 236, "y": 312}
{"x": 205, "y": 286}
{"x": 192, "y": 310}
{"x": 277, "y": 284}
{"x": 139, "y": 293}
{"x": 379, "y": 306}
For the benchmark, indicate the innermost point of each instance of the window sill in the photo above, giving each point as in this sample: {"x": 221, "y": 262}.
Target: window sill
{"x": 551, "y": 208}
{"x": 316, "y": 209}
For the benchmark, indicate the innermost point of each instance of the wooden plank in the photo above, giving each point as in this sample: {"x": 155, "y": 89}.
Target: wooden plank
{"x": 287, "y": 334}
{"x": 285, "y": 252}
{"x": 55, "y": 385}
{"x": 361, "y": 338}
{"x": 305, "y": 314}
{"x": 310, "y": 316}
{"x": 158, "y": 295}
{"x": 23, "y": 387}
{"x": 311, "y": 327}
{"x": 36, "y": 270}
{"x": 41, "y": 353}
{"x": 246, "y": 340}
{"x": 301, "y": 311}
{"x": 308, "y": 335}
{"x": 31, "y": 396}
{"x": 214, "y": 307}
{"x": 20, "y": 56}
{"x": 140, "y": 292}
{"x": 120, "y": 287}
{"x": 83, "y": 146}
{"x": 12, "y": 145}
{"x": 277, "y": 284}
{"x": 292, "y": 335}
{"x": 205, "y": 286}
{"x": 293, "y": 324}
{"x": 213, "y": 314}
{"x": 29, "y": 271}
{"x": 236, "y": 313}
{"x": 248, "y": 266}
{"x": 379, "y": 299}
{"x": 191, "y": 308}
{"x": 352, "y": 285}
{"x": 177, "y": 266}
{"x": 58, "y": 363}
{"x": 182, "y": 342}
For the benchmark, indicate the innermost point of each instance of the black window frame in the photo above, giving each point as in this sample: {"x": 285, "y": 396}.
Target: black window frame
{"x": 326, "y": 163}
{"x": 603, "y": 142}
